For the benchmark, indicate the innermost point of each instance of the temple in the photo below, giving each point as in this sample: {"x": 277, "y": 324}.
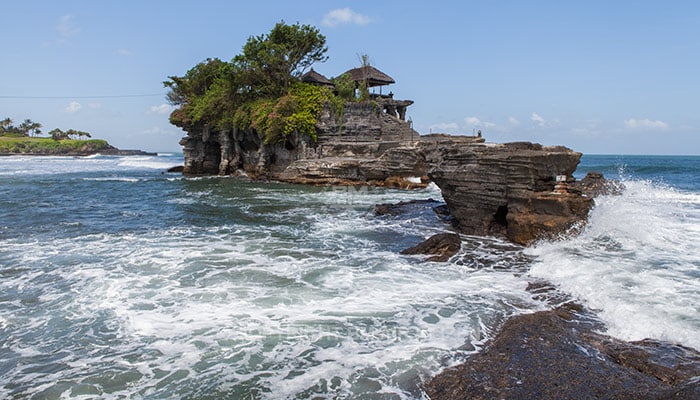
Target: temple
{"x": 371, "y": 77}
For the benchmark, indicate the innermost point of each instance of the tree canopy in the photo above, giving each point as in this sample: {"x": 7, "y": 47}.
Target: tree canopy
{"x": 259, "y": 88}
{"x": 29, "y": 127}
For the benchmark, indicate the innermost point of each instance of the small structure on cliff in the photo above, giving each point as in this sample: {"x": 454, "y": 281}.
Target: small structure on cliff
{"x": 315, "y": 78}
{"x": 370, "y": 76}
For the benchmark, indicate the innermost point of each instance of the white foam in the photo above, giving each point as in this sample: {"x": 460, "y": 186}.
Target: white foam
{"x": 636, "y": 262}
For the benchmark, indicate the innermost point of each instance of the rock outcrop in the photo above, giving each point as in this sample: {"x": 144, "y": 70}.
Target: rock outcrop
{"x": 506, "y": 190}
{"x": 556, "y": 355}
{"x": 440, "y": 247}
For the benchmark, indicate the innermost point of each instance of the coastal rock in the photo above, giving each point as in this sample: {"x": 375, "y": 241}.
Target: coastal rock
{"x": 507, "y": 190}
{"x": 441, "y": 246}
{"x": 175, "y": 169}
{"x": 404, "y": 206}
{"x": 594, "y": 184}
{"x": 552, "y": 355}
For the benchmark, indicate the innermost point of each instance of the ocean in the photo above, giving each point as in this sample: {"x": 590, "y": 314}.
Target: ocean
{"x": 120, "y": 281}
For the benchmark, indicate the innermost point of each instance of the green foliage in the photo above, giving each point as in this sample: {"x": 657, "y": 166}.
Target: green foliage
{"x": 297, "y": 111}
{"x": 345, "y": 87}
{"x": 27, "y": 145}
{"x": 28, "y": 127}
{"x": 258, "y": 89}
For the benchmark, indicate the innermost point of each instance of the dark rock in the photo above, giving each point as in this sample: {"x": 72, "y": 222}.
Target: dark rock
{"x": 402, "y": 206}
{"x": 507, "y": 189}
{"x": 552, "y": 355}
{"x": 594, "y": 185}
{"x": 177, "y": 168}
{"x": 443, "y": 212}
{"x": 113, "y": 151}
{"x": 441, "y": 246}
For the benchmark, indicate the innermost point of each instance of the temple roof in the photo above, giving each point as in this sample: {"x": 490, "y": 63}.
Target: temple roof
{"x": 373, "y": 76}
{"x": 315, "y": 78}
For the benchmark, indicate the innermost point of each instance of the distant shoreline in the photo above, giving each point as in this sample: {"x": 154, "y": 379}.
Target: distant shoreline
{"x": 26, "y": 146}
{"x": 116, "y": 152}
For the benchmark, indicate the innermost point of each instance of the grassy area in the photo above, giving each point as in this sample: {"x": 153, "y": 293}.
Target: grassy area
{"x": 48, "y": 146}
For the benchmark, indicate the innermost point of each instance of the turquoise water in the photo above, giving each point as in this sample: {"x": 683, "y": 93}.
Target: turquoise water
{"x": 119, "y": 281}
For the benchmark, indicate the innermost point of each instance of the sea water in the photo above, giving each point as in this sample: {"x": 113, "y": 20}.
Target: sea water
{"x": 120, "y": 281}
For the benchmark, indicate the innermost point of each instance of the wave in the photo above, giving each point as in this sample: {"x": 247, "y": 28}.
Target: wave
{"x": 149, "y": 162}
{"x": 636, "y": 262}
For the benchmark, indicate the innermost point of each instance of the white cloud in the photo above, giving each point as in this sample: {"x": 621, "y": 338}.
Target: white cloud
{"x": 444, "y": 127}
{"x": 513, "y": 121}
{"x": 472, "y": 121}
{"x": 160, "y": 131}
{"x": 537, "y": 119}
{"x": 73, "y": 107}
{"x": 475, "y": 121}
{"x": 66, "y": 27}
{"x": 646, "y": 123}
{"x": 123, "y": 52}
{"x": 341, "y": 16}
{"x": 163, "y": 109}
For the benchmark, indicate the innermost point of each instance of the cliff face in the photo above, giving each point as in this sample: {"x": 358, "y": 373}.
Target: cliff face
{"x": 490, "y": 189}
{"x": 508, "y": 189}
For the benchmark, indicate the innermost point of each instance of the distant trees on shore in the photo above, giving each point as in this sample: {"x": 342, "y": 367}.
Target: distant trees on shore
{"x": 30, "y": 128}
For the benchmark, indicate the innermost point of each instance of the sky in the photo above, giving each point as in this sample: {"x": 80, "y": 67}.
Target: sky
{"x": 600, "y": 77}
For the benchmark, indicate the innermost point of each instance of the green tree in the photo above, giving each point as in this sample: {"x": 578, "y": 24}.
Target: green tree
{"x": 274, "y": 59}
{"x": 6, "y": 125}
{"x": 57, "y": 134}
{"x": 25, "y": 126}
{"x": 76, "y": 134}
{"x": 216, "y": 93}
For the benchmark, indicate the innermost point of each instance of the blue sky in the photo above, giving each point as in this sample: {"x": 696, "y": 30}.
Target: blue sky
{"x": 596, "y": 76}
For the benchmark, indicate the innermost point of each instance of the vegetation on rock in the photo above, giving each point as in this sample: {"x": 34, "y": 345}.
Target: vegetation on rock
{"x": 260, "y": 88}
{"x": 35, "y": 145}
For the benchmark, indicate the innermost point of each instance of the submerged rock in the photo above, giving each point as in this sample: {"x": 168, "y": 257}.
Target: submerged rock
{"x": 441, "y": 247}
{"x": 553, "y": 355}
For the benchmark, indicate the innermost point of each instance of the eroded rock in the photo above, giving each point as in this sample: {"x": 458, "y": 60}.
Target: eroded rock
{"x": 441, "y": 247}
{"x": 552, "y": 355}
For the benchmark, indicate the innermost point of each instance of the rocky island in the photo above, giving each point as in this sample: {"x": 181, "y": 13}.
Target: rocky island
{"x": 522, "y": 191}
{"x": 244, "y": 118}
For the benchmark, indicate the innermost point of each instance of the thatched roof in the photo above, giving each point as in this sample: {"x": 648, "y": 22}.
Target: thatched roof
{"x": 316, "y": 78}
{"x": 373, "y": 76}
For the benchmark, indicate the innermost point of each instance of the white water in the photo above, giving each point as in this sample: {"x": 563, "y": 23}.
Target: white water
{"x": 637, "y": 262}
{"x": 125, "y": 283}
{"x": 245, "y": 291}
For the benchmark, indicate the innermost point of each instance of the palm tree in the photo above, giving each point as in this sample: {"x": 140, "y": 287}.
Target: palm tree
{"x": 6, "y": 125}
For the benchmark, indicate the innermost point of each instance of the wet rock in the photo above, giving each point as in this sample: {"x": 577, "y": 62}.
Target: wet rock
{"x": 553, "y": 355}
{"x": 175, "y": 169}
{"x": 594, "y": 184}
{"x": 404, "y": 206}
{"x": 441, "y": 247}
{"x": 507, "y": 190}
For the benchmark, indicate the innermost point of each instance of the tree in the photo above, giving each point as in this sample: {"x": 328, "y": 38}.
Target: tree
{"x": 26, "y": 126}
{"x": 214, "y": 92}
{"x": 76, "y": 134}
{"x": 364, "y": 85}
{"x": 6, "y": 125}
{"x": 35, "y": 128}
{"x": 284, "y": 53}
{"x": 57, "y": 134}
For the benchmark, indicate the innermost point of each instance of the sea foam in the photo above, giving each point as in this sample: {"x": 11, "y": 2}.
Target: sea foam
{"x": 636, "y": 263}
